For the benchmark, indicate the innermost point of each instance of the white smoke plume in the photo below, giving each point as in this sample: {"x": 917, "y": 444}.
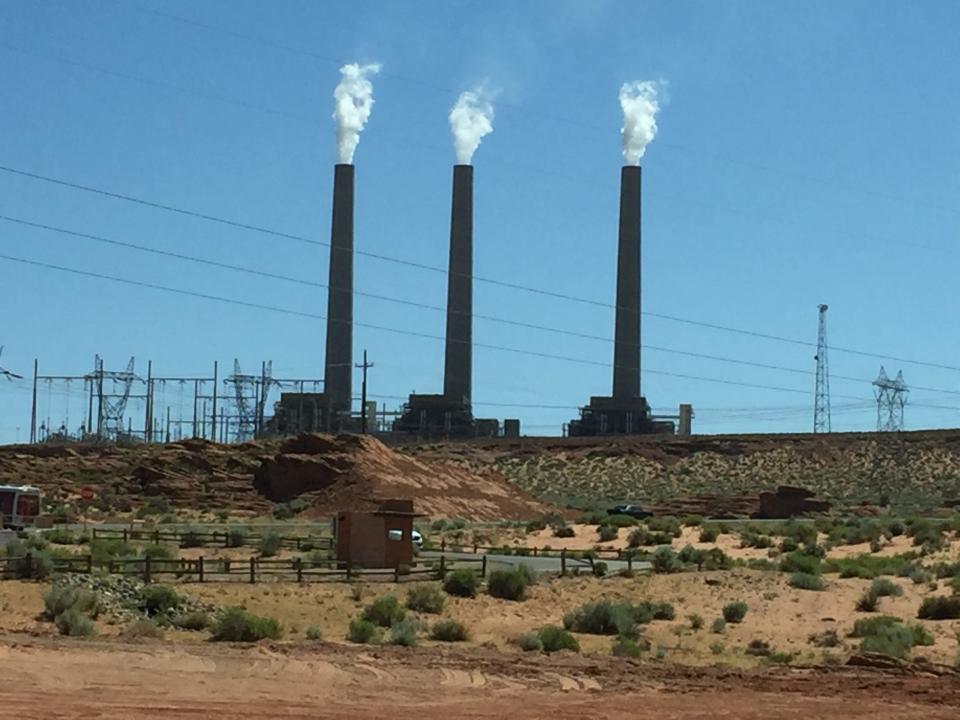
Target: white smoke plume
{"x": 353, "y": 102}
{"x": 471, "y": 118}
{"x": 640, "y": 106}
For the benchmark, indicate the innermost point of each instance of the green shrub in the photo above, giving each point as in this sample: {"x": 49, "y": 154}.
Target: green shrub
{"x": 313, "y": 633}
{"x": 709, "y": 533}
{"x": 530, "y": 642}
{"x": 154, "y": 506}
{"x": 554, "y": 638}
{"x": 884, "y": 587}
{"x": 805, "y": 581}
{"x": 158, "y": 600}
{"x": 528, "y": 573}
{"x": 458, "y": 523}
{"x": 462, "y": 583}
{"x": 718, "y": 625}
{"x": 920, "y": 635}
{"x": 825, "y": 639}
{"x": 191, "y": 538}
{"x": 362, "y": 632}
{"x": 646, "y": 611}
{"x": 564, "y": 531}
{"x": 425, "y": 599}
{"x": 404, "y": 633}
{"x": 28, "y": 564}
{"x": 665, "y": 524}
{"x": 693, "y": 520}
{"x": 103, "y": 550}
{"x": 939, "y": 608}
{"x": 870, "y": 626}
{"x": 759, "y": 648}
{"x": 237, "y": 625}
{"x": 143, "y": 628}
{"x": 270, "y": 544}
{"x": 800, "y": 562}
{"x": 158, "y": 552}
{"x": 696, "y": 621}
{"x": 735, "y": 612}
{"x": 449, "y": 631}
{"x": 665, "y": 560}
{"x": 507, "y": 584}
{"x": 620, "y": 521}
{"x": 690, "y": 555}
{"x": 60, "y": 598}
{"x": 868, "y": 566}
{"x": 384, "y": 611}
{"x": 628, "y": 647}
{"x": 607, "y": 533}
{"x": 602, "y": 618}
{"x": 438, "y": 525}
{"x": 195, "y": 621}
{"x": 74, "y": 623}
{"x": 754, "y": 540}
{"x": 599, "y": 568}
{"x": 60, "y": 536}
{"x": 236, "y": 537}
{"x": 638, "y": 537}
{"x": 894, "y": 640}
{"x": 283, "y": 511}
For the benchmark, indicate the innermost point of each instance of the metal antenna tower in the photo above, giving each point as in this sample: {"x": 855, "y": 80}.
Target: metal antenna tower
{"x": 821, "y": 404}
{"x": 891, "y": 398}
{"x": 245, "y": 389}
{"x": 112, "y": 401}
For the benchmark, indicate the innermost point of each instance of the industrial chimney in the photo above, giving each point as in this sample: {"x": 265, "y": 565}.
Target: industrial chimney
{"x": 626, "y": 352}
{"x": 339, "y": 355}
{"x": 457, "y": 377}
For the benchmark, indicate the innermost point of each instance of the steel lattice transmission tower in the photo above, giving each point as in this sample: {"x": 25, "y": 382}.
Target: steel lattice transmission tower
{"x": 821, "y": 403}
{"x": 891, "y": 399}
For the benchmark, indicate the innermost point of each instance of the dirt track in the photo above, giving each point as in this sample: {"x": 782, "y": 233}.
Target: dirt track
{"x": 57, "y": 679}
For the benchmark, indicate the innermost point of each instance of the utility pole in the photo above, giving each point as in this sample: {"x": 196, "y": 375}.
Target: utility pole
{"x": 821, "y": 404}
{"x": 213, "y": 415}
{"x": 363, "y": 393}
{"x": 33, "y": 413}
{"x": 148, "y": 420}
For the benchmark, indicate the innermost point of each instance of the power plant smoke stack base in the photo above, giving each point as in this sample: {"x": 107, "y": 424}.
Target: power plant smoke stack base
{"x": 458, "y": 368}
{"x": 338, "y": 388}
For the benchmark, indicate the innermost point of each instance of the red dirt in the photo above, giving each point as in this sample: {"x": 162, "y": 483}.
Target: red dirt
{"x": 114, "y": 681}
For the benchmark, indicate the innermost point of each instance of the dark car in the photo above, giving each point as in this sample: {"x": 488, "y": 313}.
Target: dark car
{"x": 631, "y": 510}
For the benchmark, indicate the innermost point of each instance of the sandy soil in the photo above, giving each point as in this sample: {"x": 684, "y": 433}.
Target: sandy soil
{"x": 114, "y": 681}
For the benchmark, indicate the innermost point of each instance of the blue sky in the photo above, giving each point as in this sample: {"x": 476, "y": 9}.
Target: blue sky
{"x": 807, "y": 153}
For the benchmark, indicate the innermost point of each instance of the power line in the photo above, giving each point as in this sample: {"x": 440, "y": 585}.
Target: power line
{"x": 412, "y": 333}
{"x": 432, "y": 268}
{"x": 506, "y": 321}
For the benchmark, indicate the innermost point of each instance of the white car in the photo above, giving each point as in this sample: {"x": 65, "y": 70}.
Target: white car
{"x": 417, "y": 540}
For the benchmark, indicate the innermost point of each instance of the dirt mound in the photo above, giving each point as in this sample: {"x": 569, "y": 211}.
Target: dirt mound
{"x": 353, "y": 472}
{"x": 330, "y": 473}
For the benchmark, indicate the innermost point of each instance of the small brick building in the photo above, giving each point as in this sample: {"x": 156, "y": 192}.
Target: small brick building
{"x": 378, "y": 539}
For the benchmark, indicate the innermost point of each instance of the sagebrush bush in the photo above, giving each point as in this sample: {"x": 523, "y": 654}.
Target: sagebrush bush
{"x": 709, "y": 533}
{"x": 696, "y": 621}
{"x": 607, "y": 533}
{"x": 385, "y": 611}
{"x": 60, "y": 598}
{"x": 462, "y": 583}
{"x": 884, "y": 587}
{"x": 507, "y": 584}
{"x": 620, "y": 521}
{"x": 449, "y": 631}
{"x": 554, "y": 638}
{"x": 665, "y": 524}
{"x": 805, "y": 581}
{"x": 826, "y": 639}
{"x": 530, "y": 642}
{"x": 564, "y": 531}
{"x": 238, "y": 625}
{"x": 74, "y": 624}
{"x": 313, "y": 633}
{"x": 59, "y": 536}
{"x": 868, "y": 566}
{"x": 629, "y": 647}
{"x": 868, "y": 601}
{"x": 870, "y": 626}
{"x": 362, "y": 632}
{"x": 602, "y": 618}
{"x": 157, "y": 552}
{"x": 646, "y": 610}
{"x": 28, "y": 563}
{"x": 599, "y": 568}
{"x": 894, "y": 640}
{"x": 270, "y": 544}
{"x": 103, "y": 550}
{"x": 665, "y": 560}
{"x": 158, "y": 599}
{"x": 718, "y": 625}
{"x": 194, "y": 621}
{"x": 800, "y": 562}
{"x": 760, "y": 648}
{"x": 236, "y": 537}
{"x": 735, "y": 612}
{"x": 143, "y": 628}
{"x": 404, "y": 633}
{"x": 425, "y": 599}
{"x": 939, "y": 608}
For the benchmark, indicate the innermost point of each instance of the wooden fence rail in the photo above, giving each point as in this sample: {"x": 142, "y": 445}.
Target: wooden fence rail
{"x": 212, "y": 538}
{"x": 252, "y": 570}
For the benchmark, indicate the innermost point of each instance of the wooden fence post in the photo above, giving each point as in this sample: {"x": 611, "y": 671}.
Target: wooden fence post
{"x": 483, "y": 567}
{"x": 253, "y": 570}
{"x": 226, "y": 566}
{"x": 443, "y": 545}
{"x": 89, "y": 564}
{"x": 563, "y": 562}
{"x": 156, "y": 537}
{"x": 396, "y": 573}
{"x": 298, "y": 565}
{"x": 124, "y": 536}
{"x": 200, "y": 568}
{"x": 443, "y": 566}
{"x": 630, "y": 563}
{"x": 146, "y": 569}
{"x": 28, "y": 564}
{"x": 348, "y": 569}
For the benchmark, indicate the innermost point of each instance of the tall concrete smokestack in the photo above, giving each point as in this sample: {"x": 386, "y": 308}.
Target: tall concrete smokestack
{"x": 458, "y": 367}
{"x": 338, "y": 370}
{"x": 626, "y": 353}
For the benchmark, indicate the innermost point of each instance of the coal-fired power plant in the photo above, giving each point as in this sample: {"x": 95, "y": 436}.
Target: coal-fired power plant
{"x": 625, "y": 411}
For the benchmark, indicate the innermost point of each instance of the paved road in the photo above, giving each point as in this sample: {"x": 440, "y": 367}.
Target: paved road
{"x": 539, "y": 563}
